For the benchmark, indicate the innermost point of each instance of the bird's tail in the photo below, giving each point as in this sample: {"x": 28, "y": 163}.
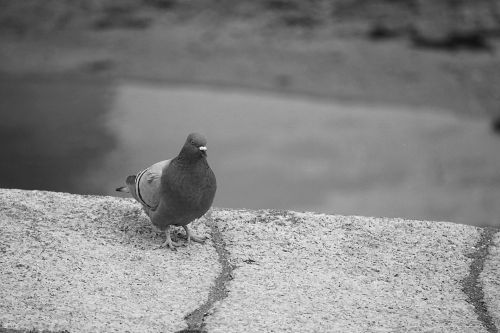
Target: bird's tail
{"x": 130, "y": 182}
{"x": 123, "y": 189}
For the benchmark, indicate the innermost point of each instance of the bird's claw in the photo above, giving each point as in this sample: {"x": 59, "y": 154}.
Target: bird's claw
{"x": 193, "y": 237}
{"x": 197, "y": 239}
{"x": 169, "y": 242}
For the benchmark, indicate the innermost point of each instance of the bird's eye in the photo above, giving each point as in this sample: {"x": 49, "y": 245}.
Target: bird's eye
{"x": 192, "y": 142}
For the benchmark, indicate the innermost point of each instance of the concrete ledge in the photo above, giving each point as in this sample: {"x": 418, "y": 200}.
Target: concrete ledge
{"x": 88, "y": 263}
{"x": 490, "y": 281}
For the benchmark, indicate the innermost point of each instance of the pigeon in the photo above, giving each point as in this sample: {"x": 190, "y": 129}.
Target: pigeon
{"x": 176, "y": 191}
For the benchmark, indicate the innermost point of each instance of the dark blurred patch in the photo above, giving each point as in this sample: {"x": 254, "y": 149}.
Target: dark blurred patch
{"x": 51, "y": 132}
{"x": 281, "y": 5}
{"x": 495, "y": 125}
{"x": 283, "y": 80}
{"x": 33, "y": 16}
{"x": 122, "y": 15}
{"x": 130, "y": 22}
{"x": 464, "y": 23}
{"x": 161, "y": 4}
{"x": 21, "y": 17}
{"x": 454, "y": 41}
{"x": 438, "y": 24}
{"x": 381, "y": 19}
{"x": 293, "y": 13}
{"x": 373, "y": 9}
{"x": 456, "y": 25}
{"x": 301, "y": 20}
{"x": 381, "y": 31}
{"x": 99, "y": 66}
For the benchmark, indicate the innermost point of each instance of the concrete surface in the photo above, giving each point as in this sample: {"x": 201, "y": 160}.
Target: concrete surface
{"x": 344, "y": 274}
{"x": 89, "y": 264}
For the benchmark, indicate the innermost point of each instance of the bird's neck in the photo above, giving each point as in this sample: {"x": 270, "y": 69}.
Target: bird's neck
{"x": 190, "y": 163}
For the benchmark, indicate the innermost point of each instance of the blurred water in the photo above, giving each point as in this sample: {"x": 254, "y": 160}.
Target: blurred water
{"x": 52, "y": 131}
{"x": 267, "y": 151}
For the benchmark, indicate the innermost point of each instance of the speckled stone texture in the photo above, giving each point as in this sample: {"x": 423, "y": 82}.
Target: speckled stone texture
{"x": 490, "y": 278}
{"x": 320, "y": 273}
{"x": 89, "y": 264}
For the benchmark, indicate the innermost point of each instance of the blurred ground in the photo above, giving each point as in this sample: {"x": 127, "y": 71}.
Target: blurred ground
{"x": 420, "y": 52}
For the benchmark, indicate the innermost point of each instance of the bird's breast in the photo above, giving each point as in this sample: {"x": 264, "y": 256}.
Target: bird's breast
{"x": 192, "y": 192}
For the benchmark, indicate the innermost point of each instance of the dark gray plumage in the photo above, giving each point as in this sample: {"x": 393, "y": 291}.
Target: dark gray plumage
{"x": 176, "y": 191}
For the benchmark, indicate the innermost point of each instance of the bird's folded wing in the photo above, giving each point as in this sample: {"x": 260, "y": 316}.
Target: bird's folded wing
{"x": 147, "y": 184}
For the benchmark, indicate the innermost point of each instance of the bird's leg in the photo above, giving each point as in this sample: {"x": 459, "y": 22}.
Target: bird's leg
{"x": 168, "y": 241}
{"x": 193, "y": 237}
{"x": 208, "y": 216}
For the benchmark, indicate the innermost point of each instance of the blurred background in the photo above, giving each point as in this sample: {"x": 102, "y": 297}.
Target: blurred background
{"x": 354, "y": 107}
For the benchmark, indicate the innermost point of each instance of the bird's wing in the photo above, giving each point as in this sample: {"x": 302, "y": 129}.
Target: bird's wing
{"x": 147, "y": 184}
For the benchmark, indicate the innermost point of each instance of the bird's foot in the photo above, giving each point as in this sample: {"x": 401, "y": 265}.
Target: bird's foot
{"x": 197, "y": 239}
{"x": 169, "y": 242}
{"x": 193, "y": 237}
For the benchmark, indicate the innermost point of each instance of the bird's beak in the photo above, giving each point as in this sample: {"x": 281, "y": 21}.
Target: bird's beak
{"x": 203, "y": 150}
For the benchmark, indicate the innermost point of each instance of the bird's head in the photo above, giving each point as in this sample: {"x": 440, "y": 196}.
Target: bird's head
{"x": 195, "y": 146}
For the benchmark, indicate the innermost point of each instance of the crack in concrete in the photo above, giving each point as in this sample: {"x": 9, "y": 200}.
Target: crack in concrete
{"x": 196, "y": 319}
{"x": 471, "y": 285}
{"x": 218, "y": 291}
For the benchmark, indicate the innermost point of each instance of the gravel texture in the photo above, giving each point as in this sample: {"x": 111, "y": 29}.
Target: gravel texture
{"x": 89, "y": 264}
{"x": 490, "y": 279}
{"x": 321, "y": 273}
